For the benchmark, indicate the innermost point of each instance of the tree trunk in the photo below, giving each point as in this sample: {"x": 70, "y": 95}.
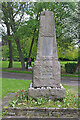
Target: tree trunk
{"x": 31, "y": 44}
{"x": 78, "y": 66}
{"x": 20, "y": 53}
{"x": 10, "y": 23}
{"x": 30, "y": 49}
{"x": 10, "y": 54}
{"x": 10, "y": 46}
{"x": 17, "y": 43}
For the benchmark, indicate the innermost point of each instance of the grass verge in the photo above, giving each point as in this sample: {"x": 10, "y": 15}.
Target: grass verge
{"x": 30, "y": 72}
{"x": 13, "y": 85}
{"x": 16, "y": 71}
{"x": 16, "y": 64}
{"x": 69, "y": 75}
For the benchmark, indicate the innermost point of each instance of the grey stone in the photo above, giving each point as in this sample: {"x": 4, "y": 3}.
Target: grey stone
{"x": 46, "y": 70}
{"x": 52, "y": 93}
{"x": 41, "y": 112}
{"x": 47, "y": 46}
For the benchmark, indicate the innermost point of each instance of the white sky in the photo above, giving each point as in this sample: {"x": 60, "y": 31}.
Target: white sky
{"x": 0, "y": 39}
{"x": 25, "y": 18}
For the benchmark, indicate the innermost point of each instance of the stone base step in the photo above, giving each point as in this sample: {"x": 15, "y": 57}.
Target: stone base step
{"x": 25, "y": 118}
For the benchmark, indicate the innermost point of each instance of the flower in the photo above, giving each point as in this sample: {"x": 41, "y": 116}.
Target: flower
{"x": 22, "y": 90}
{"x": 58, "y": 101}
{"x": 5, "y": 107}
{"x": 67, "y": 104}
{"x": 59, "y": 105}
{"x": 17, "y": 95}
{"x": 75, "y": 104}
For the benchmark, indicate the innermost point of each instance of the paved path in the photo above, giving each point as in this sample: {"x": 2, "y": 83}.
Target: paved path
{"x": 23, "y": 76}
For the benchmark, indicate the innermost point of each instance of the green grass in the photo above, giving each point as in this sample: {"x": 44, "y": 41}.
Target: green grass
{"x": 13, "y": 85}
{"x": 70, "y": 75}
{"x": 64, "y": 62}
{"x": 16, "y": 71}
{"x": 18, "y": 64}
{"x": 0, "y": 88}
{"x": 15, "y": 64}
{"x": 72, "y": 89}
{"x": 4, "y": 64}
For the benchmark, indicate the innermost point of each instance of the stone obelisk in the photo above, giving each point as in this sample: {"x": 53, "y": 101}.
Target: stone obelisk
{"x": 46, "y": 72}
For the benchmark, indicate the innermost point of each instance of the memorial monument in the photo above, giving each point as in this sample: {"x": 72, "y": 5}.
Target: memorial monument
{"x": 46, "y": 71}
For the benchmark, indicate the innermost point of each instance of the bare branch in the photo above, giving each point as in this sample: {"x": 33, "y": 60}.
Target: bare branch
{"x": 21, "y": 16}
{"x": 18, "y": 10}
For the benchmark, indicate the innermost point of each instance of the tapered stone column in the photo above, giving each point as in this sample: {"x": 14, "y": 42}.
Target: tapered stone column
{"x": 46, "y": 72}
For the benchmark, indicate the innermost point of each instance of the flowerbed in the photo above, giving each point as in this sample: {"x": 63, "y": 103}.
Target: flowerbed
{"x": 21, "y": 100}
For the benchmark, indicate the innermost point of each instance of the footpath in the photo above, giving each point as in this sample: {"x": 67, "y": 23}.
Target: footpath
{"x": 74, "y": 81}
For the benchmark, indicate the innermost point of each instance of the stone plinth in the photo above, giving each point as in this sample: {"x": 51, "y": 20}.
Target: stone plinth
{"x": 48, "y": 92}
{"x": 46, "y": 71}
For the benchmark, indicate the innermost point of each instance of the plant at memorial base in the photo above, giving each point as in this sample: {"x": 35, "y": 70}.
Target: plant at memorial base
{"x": 41, "y": 101}
{"x": 38, "y": 101}
{"x": 21, "y": 96}
{"x": 70, "y": 101}
{"x": 13, "y": 103}
{"x": 4, "y": 113}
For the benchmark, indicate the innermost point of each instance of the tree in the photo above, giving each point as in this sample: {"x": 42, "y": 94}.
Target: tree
{"x": 63, "y": 14}
{"x": 13, "y": 24}
{"x": 78, "y": 64}
{"x": 5, "y": 18}
{"x": 28, "y": 30}
{"x": 32, "y": 43}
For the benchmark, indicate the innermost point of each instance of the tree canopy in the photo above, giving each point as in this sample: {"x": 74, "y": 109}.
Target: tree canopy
{"x": 23, "y": 24}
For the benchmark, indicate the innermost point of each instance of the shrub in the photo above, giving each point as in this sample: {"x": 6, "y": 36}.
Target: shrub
{"x": 70, "y": 67}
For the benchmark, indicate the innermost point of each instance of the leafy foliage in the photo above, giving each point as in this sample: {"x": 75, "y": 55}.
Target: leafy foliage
{"x": 65, "y": 15}
{"x": 70, "y": 67}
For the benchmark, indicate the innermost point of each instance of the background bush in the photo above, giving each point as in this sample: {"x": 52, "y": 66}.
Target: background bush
{"x": 70, "y": 67}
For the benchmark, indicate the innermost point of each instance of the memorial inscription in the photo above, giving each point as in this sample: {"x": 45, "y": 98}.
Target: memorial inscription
{"x": 47, "y": 43}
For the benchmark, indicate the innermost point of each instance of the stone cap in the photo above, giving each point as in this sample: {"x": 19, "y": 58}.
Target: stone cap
{"x": 47, "y": 24}
{"x": 46, "y": 13}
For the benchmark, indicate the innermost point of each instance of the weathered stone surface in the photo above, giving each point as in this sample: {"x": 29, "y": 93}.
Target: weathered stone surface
{"x": 45, "y": 75}
{"x": 46, "y": 70}
{"x": 48, "y": 92}
{"x": 43, "y": 113}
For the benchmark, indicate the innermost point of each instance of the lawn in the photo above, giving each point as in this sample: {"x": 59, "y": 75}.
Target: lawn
{"x": 13, "y": 85}
{"x": 0, "y": 88}
{"x": 64, "y": 62}
{"x": 4, "y": 64}
{"x": 18, "y": 64}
